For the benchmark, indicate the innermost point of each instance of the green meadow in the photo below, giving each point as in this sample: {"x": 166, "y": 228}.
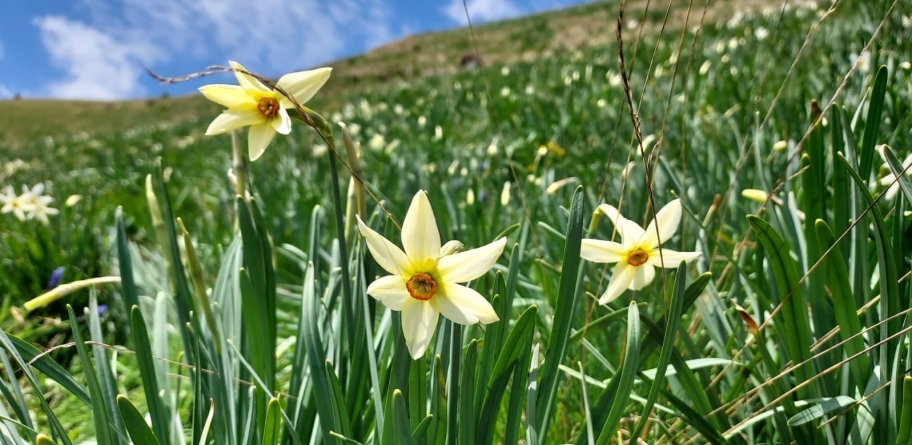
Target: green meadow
{"x": 205, "y": 298}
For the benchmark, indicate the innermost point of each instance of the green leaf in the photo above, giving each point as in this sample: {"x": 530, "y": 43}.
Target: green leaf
{"x": 900, "y": 171}
{"x": 872, "y": 123}
{"x": 820, "y": 407}
{"x": 794, "y": 327}
{"x": 140, "y": 433}
{"x": 672, "y": 316}
{"x": 272, "y": 430}
{"x": 624, "y": 377}
{"x": 563, "y": 315}
{"x": 340, "y": 411}
{"x": 844, "y": 308}
{"x": 467, "y": 419}
{"x": 99, "y": 412}
{"x": 515, "y": 346}
{"x": 50, "y": 368}
{"x": 403, "y": 435}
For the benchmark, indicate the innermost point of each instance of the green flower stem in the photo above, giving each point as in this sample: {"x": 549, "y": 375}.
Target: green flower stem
{"x": 64, "y": 290}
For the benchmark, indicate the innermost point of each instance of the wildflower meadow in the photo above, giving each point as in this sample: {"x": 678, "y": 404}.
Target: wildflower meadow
{"x": 692, "y": 233}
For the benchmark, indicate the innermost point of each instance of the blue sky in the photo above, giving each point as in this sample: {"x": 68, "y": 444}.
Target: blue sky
{"x": 99, "y": 49}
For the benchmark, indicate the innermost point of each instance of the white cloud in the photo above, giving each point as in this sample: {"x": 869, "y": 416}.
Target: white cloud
{"x": 271, "y": 37}
{"x": 98, "y": 65}
{"x": 5, "y": 92}
{"x": 481, "y": 10}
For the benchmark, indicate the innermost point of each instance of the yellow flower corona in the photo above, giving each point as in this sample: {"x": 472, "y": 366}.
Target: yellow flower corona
{"x": 639, "y": 252}
{"x": 251, "y": 103}
{"x": 424, "y": 276}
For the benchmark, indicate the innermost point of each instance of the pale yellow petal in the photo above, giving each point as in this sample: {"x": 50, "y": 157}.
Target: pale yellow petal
{"x": 671, "y": 258}
{"x": 600, "y": 251}
{"x": 419, "y": 320}
{"x": 281, "y": 123}
{"x": 259, "y": 138}
{"x": 471, "y": 264}
{"x": 246, "y": 81}
{"x": 630, "y": 231}
{"x": 642, "y": 276}
{"x": 420, "y": 237}
{"x": 232, "y": 120}
{"x": 619, "y": 282}
{"x": 303, "y": 85}
{"x": 390, "y": 290}
{"x": 464, "y": 305}
{"x": 387, "y": 255}
{"x": 229, "y": 96}
{"x": 668, "y": 219}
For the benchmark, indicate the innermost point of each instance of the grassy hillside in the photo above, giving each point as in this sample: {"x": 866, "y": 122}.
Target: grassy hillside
{"x": 547, "y": 34}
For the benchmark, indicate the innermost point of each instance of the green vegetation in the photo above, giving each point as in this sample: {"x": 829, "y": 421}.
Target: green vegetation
{"x": 792, "y": 327}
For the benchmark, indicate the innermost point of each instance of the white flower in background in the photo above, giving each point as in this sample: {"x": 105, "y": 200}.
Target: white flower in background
{"x": 761, "y": 33}
{"x": 863, "y": 62}
{"x": 38, "y": 203}
{"x": 638, "y": 254}
{"x": 251, "y": 103}
{"x": 704, "y": 68}
{"x": 13, "y": 203}
{"x": 755, "y": 195}
{"x": 424, "y": 277}
{"x": 889, "y": 180}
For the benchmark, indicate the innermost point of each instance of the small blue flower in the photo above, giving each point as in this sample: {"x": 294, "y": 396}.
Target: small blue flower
{"x": 56, "y": 276}
{"x": 102, "y": 308}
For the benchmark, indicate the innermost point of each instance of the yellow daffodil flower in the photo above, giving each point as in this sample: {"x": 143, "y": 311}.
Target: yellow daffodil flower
{"x": 638, "y": 253}
{"x": 262, "y": 108}
{"x": 424, "y": 276}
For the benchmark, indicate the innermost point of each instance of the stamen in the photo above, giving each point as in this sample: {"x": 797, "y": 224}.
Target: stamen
{"x": 421, "y": 286}
{"x": 637, "y": 258}
{"x": 268, "y": 106}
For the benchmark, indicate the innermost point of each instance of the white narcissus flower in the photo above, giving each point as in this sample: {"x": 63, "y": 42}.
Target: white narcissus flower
{"x": 13, "y": 203}
{"x": 638, "y": 253}
{"x": 262, "y": 108}
{"x": 37, "y": 204}
{"x": 424, "y": 276}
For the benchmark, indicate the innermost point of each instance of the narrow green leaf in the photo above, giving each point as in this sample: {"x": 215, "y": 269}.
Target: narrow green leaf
{"x": 315, "y": 358}
{"x": 420, "y": 431}
{"x": 125, "y": 263}
{"x": 872, "y": 123}
{"x": 140, "y": 433}
{"x": 795, "y": 327}
{"x": 625, "y": 376}
{"x": 819, "y": 408}
{"x": 467, "y": 418}
{"x": 844, "y": 308}
{"x": 272, "y": 430}
{"x": 901, "y": 173}
{"x": 341, "y": 418}
{"x": 99, "y": 412}
{"x": 403, "y": 434}
{"x": 904, "y": 434}
{"x": 563, "y": 315}
{"x": 673, "y": 314}
{"x": 104, "y": 375}
{"x": 516, "y": 345}
{"x": 50, "y": 368}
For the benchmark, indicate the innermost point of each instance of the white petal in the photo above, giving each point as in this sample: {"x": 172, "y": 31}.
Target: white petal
{"x": 668, "y": 219}
{"x": 232, "y": 120}
{"x": 282, "y": 122}
{"x": 671, "y": 258}
{"x": 420, "y": 237}
{"x": 471, "y": 264}
{"x": 600, "y": 251}
{"x": 38, "y": 189}
{"x": 259, "y": 138}
{"x": 642, "y": 275}
{"x": 630, "y": 231}
{"x": 245, "y": 80}
{"x": 303, "y": 85}
{"x": 419, "y": 319}
{"x": 230, "y": 96}
{"x": 389, "y": 256}
{"x": 464, "y": 305}
{"x": 620, "y": 280}
{"x": 390, "y": 290}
